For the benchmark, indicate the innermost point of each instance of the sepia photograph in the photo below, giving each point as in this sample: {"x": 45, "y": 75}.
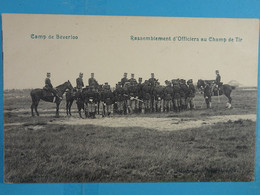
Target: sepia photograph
{"x": 91, "y": 99}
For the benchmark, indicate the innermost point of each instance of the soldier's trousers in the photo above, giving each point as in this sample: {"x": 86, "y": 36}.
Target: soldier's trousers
{"x": 147, "y": 104}
{"x": 190, "y": 103}
{"x": 158, "y": 105}
{"x": 183, "y": 101}
{"x": 109, "y": 108}
{"x": 91, "y": 107}
{"x": 167, "y": 105}
{"x": 120, "y": 106}
{"x": 177, "y": 102}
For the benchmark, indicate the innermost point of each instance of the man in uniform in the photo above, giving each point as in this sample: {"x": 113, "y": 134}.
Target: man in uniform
{"x": 153, "y": 81}
{"x": 119, "y": 98}
{"x": 184, "y": 93}
{"x": 79, "y": 82}
{"x": 146, "y": 89}
{"x": 217, "y": 82}
{"x": 176, "y": 95}
{"x": 168, "y": 95}
{"x": 124, "y": 79}
{"x": 191, "y": 94}
{"x": 48, "y": 86}
{"x": 133, "y": 81}
{"x": 140, "y": 95}
{"x": 107, "y": 97}
{"x": 92, "y": 81}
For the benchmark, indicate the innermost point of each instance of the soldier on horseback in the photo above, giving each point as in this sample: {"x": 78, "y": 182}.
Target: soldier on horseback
{"x": 92, "y": 81}
{"x": 48, "y": 86}
{"x": 79, "y": 82}
{"x": 217, "y": 82}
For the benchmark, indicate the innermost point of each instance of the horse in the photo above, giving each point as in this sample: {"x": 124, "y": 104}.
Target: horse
{"x": 223, "y": 89}
{"x": 42, "y": 94}
{"x": 70, "y": 95}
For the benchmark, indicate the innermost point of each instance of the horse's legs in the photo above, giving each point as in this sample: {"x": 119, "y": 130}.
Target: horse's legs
{"x": 36, "y": 106}
{"x": 67, "y": 107}
{"x": 32, "y": 107}
{"x": 57, "y": 108}
{"x": 70, "y": 104}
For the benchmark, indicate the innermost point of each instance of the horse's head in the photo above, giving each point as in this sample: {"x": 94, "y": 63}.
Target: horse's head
{"x": 69, "y": 85}
{"x": 200, "y": 84}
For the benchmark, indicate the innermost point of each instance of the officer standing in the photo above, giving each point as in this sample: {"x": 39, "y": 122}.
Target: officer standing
{"x": 191, "y": 94}
{"x": 124, "y": 79}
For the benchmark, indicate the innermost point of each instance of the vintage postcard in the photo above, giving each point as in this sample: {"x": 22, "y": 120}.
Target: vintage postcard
{"x": 129, "y": 99}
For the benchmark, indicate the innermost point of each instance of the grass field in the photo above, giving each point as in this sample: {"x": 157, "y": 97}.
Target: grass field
{"x": 48, "y": 149}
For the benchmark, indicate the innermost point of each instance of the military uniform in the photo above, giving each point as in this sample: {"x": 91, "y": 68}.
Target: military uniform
{"x": 184, "y": 93}
{"x": 107, "y": 97}
{"x": 119, "y": 95}
{"x": 158, "y": 94}
{"x": 191, "y": 94}
{"x": 93, "y": 82}
{"x": 168, "y": 97}
{"x": 91, "y": 99}
{"x": 124, "y": 80}
{"x": 80, "y": 84}
{"x": 177, "y": 96}
{"x": 48, "y": 86}
{"x": 147, "y": 89}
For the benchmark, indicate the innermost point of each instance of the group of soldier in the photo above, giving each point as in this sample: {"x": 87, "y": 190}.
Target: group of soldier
{"x": 130, "y": 96}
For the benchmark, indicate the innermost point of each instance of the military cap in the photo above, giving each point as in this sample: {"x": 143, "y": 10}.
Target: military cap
{"x": 217, "y": 71}
{"x": 190, "y": 81}
{"x": 80, "y": 74}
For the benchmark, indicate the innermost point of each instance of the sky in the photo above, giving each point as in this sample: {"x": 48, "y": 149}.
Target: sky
{"x": 104, "y": 47}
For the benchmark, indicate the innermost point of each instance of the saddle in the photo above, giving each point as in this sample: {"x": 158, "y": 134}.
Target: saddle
{"x": 218, "y": 91}
{"x": 47, "y": 92}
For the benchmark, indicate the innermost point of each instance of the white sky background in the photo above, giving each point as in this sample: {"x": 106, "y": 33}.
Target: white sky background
{"x": 104, "y": 47}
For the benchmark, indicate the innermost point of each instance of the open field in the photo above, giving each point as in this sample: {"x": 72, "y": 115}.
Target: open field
{"x": 200, "y": 145}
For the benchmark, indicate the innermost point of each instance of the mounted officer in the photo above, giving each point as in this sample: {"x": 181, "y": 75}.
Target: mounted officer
{"x": 92, "y": 81}
{"x": 79, "y": 82}
{"x": 217, "y": 84}
{"x": 48, "y": 86}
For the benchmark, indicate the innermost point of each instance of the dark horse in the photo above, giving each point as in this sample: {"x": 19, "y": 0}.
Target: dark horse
{"x": 70, "y": 95}
{"x": 223, "y": 89}
{"x": 42, "y": 94}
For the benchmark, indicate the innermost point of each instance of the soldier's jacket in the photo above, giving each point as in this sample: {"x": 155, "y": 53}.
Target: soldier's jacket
{"x": 218, "y": 78}
{"x": 123, "y": 81}
{"x": 207, "y": 91}
{"x": 176, "y": 91}
{"x": 147, "y": 90}
{"x": 153, "y": 81}
{"x": 158, "y": 92}
{"x": 120, "y": 94}
{"x": 132, "y": 81}
{"x": 132, "y": 91}
{"x": 92, "y": 82}
{"x": 140, "y": 90}
{"x": 107, "y": 96}
{"x": 184, "y": 90}
{"x": 88, "y": 94}
{"x": 192, "y": 90}
{"x": 168, "y": 93}
{"x": 48, "y": 84}
{"x": 80, "y": 83}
